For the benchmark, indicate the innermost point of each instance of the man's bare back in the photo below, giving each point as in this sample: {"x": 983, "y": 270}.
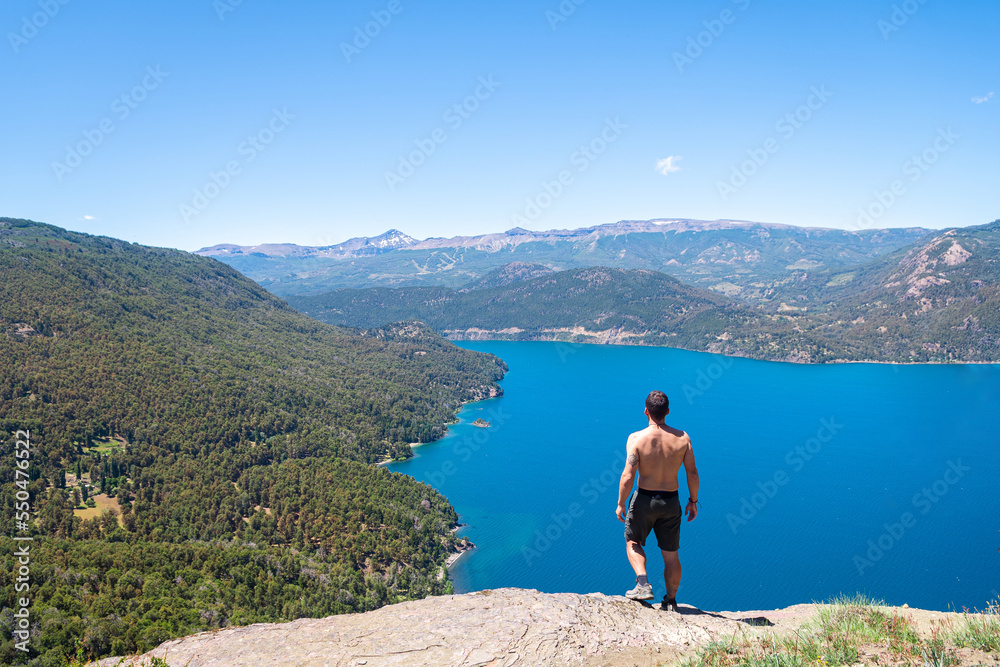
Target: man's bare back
{"x": 660, "y": 450}
{"x": 655, "y": 455}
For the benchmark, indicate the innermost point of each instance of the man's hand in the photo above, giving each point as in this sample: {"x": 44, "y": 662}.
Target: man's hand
{"x": 621, "y": 513}
{"x": 691, "y": 511}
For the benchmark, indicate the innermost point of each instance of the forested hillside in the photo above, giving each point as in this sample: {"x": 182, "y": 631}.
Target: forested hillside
{"x": 228, "y": 437}
{"x": 936, "y": 300}
{"x": 595, "y": 298}
{"x": 597, "y": 304}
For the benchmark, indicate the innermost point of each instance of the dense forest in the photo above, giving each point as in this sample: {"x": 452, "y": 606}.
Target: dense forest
{"x": 227, "y": 440}
{"x": 598, "y": 297}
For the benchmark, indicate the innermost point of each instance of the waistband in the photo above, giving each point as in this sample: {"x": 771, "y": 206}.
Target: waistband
{"x": 656, "y": 494}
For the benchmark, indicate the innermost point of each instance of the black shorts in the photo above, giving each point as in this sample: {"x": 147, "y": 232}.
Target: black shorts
{"x": 659, "y": 511}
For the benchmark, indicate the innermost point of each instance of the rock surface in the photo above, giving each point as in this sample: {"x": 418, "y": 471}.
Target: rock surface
{"x": 497, "y": 628}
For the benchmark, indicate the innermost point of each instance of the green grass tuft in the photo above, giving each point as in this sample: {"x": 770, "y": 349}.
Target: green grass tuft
{"x": 848, "y": 631}
{"x": 980, "y": 631}
{"x": 862, "y": 619}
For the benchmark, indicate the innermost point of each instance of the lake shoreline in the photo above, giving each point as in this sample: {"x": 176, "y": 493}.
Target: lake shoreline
{"x": 454, "y": 558}
{"x": 730, "y": 356}
{"x": 447, "y": 431}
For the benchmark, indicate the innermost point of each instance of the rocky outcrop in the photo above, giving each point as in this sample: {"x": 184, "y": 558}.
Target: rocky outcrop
{"x": 498, "y": 628}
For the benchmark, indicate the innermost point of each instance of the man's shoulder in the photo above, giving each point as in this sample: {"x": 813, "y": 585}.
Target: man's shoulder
{"x": 679, "y": 433}
{"x": 640, "y": 435}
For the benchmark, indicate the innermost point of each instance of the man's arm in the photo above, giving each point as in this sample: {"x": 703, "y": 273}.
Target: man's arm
{"x": 628, "y": 477}
{"x": 691, "y": 470}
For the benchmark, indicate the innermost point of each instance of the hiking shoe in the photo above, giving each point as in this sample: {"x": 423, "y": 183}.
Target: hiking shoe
{"x": 669, "y": 605}
{"x": 641, "y": 592}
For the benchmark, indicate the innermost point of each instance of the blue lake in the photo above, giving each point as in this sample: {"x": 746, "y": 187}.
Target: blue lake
{"x": 815, "y": 480}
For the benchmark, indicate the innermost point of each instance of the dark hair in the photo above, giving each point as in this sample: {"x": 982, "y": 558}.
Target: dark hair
{"x": 658, "y": 405}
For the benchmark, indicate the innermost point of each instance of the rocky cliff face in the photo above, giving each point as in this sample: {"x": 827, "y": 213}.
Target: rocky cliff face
{"x": 502, "y": 627}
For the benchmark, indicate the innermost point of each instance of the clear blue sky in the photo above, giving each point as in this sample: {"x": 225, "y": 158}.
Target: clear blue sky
{"x": 673, "y": 129}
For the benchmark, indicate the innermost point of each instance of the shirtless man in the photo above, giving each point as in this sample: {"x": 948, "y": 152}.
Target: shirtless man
{"x": 656, "y": 453}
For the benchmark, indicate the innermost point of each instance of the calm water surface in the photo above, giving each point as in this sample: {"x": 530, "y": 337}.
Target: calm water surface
{"x": 815, "y": 480}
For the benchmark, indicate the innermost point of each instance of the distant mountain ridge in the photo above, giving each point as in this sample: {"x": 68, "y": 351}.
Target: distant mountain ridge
{"x": 596, "y": 298}
{"x": 362, "y": 246}
{"x": 394, "y": 239}
{"x": 736, "y": 258}
{"x": 936, "y": 300}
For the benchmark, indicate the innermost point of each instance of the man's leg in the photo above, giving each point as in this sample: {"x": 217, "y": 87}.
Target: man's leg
{"x": 636, "y": 529}
{"x": 672, "y": 572}
{"x": 636, "y": 558}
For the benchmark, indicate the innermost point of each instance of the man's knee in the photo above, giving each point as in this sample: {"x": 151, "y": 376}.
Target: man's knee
{"x": 671, "y": 556}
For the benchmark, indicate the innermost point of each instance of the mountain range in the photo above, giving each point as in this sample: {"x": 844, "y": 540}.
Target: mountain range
{"x": 748, "y": 289}
{"x": 749, "y": 260}
{"x": 356, "y": 247}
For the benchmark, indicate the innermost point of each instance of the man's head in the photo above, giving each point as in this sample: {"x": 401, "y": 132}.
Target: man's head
{"x": 657, "y": 405}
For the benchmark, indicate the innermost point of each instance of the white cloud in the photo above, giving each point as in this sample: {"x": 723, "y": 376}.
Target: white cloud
{"x": 985, "y": 98}
{"x": 668, "y": 165}
{"x": 88, "y": 217}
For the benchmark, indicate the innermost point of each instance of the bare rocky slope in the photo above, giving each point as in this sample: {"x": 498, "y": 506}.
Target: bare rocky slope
{"x": 501, "y": 627}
